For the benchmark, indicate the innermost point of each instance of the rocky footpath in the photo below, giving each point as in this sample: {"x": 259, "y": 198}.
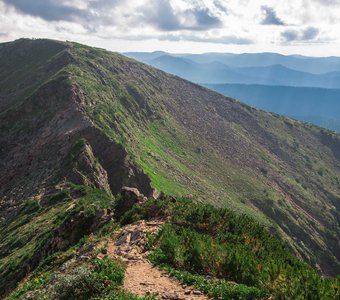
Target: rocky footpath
{"x": 141, "y": 277}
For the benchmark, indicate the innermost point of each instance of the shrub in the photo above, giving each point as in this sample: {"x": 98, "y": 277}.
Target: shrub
{"x": 204, "y": 240}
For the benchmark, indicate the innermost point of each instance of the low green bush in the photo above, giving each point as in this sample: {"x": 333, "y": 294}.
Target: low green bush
{"x": 209, "y": 241}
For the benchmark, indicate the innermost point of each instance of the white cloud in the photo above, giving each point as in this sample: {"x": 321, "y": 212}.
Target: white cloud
{"x": 174, "y": 25}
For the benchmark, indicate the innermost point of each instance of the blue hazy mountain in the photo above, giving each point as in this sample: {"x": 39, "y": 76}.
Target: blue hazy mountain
{"x": 210, "y": 73}
{"x": 314, "y": 105}
{"x": 217, "y": 72}
{"x": 317, "y": 65}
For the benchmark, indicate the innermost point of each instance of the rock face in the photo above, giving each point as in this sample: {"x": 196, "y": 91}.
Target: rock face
{"x": 86, "y": 170}
{"x": 38, "y": 136}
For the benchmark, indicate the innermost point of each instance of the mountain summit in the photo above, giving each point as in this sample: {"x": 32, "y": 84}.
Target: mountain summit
{"x": 72, "y": 113}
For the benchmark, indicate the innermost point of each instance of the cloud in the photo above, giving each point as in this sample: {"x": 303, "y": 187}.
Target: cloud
{"x": 328, "y": 2}
{"x": 290, "y": 35}
{"x": 270, "y": 17}
{"x": 50, "y": 10}
{"x": 307, "y": 34}
{"x": 163, "y": 16}
{"x": 223, "y": 22}
{"x": 310, "y": 33}
{"x": 228, "y": 40}
{"x": 221, "y": 6}
{"x": 204, "y": 19}
{"x": 81, "y": 11}
{"x": 172, "y": 37}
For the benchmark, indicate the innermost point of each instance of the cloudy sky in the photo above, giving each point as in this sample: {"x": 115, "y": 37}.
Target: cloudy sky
{"x": 309, "y": 27}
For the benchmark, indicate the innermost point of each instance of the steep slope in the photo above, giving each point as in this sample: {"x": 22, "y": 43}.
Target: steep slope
{"x": 144, "y": 128}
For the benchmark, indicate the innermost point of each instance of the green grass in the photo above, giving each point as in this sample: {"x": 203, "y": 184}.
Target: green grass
{"x": 97, "y": 279}
{"x": 217, "y": 288}
{"x": 26, "y": 236}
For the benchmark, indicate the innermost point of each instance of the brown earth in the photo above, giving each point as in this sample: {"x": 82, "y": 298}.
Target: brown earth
{"x": 141, "y": 277}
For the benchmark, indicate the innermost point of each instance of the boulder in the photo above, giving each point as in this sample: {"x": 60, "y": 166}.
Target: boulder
{"x": 129, "y": 197}
{"x": 130, "y": 193}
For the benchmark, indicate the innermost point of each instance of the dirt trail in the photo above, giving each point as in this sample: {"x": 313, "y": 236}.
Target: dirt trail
{"x": 141, "y": 277}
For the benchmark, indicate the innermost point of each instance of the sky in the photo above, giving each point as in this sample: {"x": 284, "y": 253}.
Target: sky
{"x": 307, "y": 27}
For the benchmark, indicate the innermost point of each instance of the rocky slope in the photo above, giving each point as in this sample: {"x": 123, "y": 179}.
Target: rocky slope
{"x": 71, "y": 113}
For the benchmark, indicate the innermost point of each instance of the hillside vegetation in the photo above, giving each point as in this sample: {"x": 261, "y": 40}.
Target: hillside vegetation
{"x": 224, "y": 255}
{"x": 227, "y": 255}
{"x": 78, "y": 121}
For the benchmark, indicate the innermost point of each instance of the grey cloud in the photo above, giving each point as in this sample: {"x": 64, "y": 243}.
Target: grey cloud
{"x": 310, "y": 33}
{"x": 328, "y": 2}
{"x": 50, "y": 10}
{"x": 158, "y": 13}
{"x": 307, "y": 34}
{"x": 290, "y": 35}
{"x": 270, "y": 17}
{"x": 54, "y": 10}
{"x": 204, "y": 19}
{"x": 163, "y": 16}
{"x": 221, "y": 5}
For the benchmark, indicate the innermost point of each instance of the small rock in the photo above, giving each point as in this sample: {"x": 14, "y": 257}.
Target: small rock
{"x": 170, "y": 296}
{"x": 122, "y": 239}
{"x": 197, "y": 292}
{"x": 161, "y": 196}
{"x": 173, "y": 199}
{"x": 135, "y": 235}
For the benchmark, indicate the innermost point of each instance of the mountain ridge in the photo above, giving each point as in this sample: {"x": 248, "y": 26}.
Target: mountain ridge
{"x": 136, "y": 133}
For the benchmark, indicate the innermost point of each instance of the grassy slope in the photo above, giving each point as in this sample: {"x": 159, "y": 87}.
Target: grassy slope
{"x": 226, "y": 255}
{"x": 192, "y": 141}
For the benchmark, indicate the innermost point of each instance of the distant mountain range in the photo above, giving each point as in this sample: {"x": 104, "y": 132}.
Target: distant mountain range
{"x": 314, "y": 105}
{"x": 316, "y": 65}
{"x": 306, "y": 88}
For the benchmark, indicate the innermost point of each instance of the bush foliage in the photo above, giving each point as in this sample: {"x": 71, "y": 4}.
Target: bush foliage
{"x": 208, "y": 241}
